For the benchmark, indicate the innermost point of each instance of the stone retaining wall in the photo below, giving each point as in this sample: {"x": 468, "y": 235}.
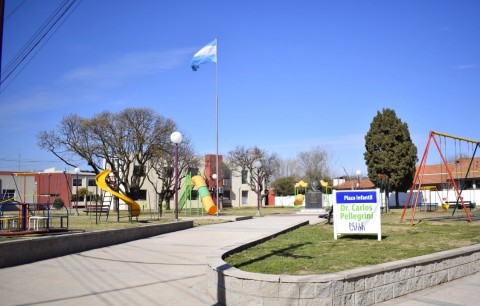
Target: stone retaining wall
{"x": 362, "y": 286}
{"x": 27, "y": 250}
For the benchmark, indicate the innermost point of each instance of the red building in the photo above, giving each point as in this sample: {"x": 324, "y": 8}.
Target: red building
{"x": 36, "y": 187}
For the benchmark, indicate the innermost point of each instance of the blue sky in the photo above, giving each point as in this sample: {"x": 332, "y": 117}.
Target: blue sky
{"x": 292, "y": 75}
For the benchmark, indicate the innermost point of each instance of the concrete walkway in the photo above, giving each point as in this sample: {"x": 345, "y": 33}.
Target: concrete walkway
{"x": 163, "y": 270}
{"x": 464, "y": 291}
{"x": 168, "y": 270}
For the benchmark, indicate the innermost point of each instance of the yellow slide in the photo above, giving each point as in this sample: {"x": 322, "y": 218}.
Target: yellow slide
{"x": 101, "y": 182}
{"x": 204, "y": 195}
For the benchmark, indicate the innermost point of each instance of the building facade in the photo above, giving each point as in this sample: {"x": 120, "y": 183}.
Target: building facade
{"x": 44, "y": 187}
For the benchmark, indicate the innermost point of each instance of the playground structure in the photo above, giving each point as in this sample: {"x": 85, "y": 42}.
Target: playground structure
{"x": 453, "y": 176}
{"x": 314, "y": 198}
{"x": 185, "y": 199}
{"x": 21, "y": 217}
{"x": 327, "y": 195}
{"x": 300, "y": 197}
{"x": 204, "y": 195}
{"x": 104, "y": 181}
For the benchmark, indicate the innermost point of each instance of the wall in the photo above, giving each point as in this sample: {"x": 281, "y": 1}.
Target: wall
{"x": 363, "y": 286}
{"x": 288, "y": 200}
{"x": 29, "y": 250}
{"x": 428, "y": 196}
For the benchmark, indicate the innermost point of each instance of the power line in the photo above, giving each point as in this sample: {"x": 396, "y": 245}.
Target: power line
{"x": 14, "y": 10}
{"x": 65, "y": 7}
{"x": 30, "y": 161}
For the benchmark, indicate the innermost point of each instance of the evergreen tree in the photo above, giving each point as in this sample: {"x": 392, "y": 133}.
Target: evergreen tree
{"x": 390, "y": 151}
{"x": 285, "y": 186}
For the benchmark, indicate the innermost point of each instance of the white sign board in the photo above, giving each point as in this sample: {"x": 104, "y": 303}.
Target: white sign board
{"x": 357, "y": 212}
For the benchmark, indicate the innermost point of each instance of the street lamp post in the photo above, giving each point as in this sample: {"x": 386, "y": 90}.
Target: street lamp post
{"x": 77, "y": 171}
{"x": 176, "y": 138}
{"x": 258, "y": 164}
{"x": 359, "y": 173}
{"x": 214, "y": 177}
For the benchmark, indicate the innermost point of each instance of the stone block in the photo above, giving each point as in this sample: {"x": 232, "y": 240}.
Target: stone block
{"x": 260, "y": 288}
{"x": 354, "y": 285}
{"x": 289, "y": 290}
{"x": 383, "y": 293}
{"x": 344, "y": 300}
{"x": 366, "y": 297}
{"x": 232, "y": 283}
{"x": 400, "y": 288}
{"x": 440, "y": 277}
{"x": 324, "y": 290}
{"x": 307, "y": 290}
{"x": 374, "y": 281}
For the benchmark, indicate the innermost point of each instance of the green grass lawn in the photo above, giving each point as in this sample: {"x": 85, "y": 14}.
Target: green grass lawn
{"x": 312, "y": 250}
{"x": 82, "y": 222}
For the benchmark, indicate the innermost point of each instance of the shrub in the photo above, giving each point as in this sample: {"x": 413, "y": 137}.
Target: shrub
{"x": 58, "y": 203}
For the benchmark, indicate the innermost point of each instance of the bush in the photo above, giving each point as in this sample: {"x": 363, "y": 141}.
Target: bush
{"x": 58, "y": 203}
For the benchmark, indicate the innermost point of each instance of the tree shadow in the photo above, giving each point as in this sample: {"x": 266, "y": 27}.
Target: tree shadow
{"x": 284, "y": 252}
{"x": 363, "y": 237}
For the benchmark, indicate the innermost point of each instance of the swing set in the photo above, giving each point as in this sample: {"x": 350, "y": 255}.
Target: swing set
{"x": 30, "y": 214}
{"x": 454, "y": 175}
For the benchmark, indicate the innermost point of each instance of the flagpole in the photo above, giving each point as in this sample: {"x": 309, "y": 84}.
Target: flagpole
{"x": 216, "y": 122}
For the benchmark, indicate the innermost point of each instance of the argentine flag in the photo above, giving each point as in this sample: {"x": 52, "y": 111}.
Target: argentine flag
{"x": 207, "y": 54}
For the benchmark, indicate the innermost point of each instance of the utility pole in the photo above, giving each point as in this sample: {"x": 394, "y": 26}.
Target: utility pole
{"x": 2, "y": 10}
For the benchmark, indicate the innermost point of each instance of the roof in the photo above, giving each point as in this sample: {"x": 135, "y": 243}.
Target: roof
{"x": 432, "y": 174}
{"x": 352, "y": 184}
{"x": 438, "y": 173}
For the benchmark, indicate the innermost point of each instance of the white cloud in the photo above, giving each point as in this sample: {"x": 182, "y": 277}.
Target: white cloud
{"x": 339, "y": 142}
{"x": 117, "y": 70}
{"x": 466, "y": 66}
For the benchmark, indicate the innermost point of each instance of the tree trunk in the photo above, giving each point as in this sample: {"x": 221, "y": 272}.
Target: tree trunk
{"x": 167, "y": 205}
{"x": 397, "y": 201}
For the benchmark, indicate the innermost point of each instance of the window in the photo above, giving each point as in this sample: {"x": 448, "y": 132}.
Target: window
{"x": 194, "y": 195}
{"x": 168, "y": 171}
{"x": 244, "y": 176}
{"x": 91, "y": 182}
{"x": 244, "y": 197}
{"x": 77, "y": 182}
{"x": 138, "y": 171}
{"x": 193, "y": 171}
{"x": 142, "y": 195}
{"x": 226, "y": 194}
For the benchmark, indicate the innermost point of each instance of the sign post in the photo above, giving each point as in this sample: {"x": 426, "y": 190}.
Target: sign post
{"x": 357, "y": 212}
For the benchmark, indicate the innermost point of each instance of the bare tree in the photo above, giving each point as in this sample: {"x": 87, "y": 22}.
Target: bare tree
{"x": 241, "y": 161}
{"x": 314, "y": 164}
{"x": 161, "y": 165}
{"x": 288, "y": 168}
{"x": 123, "y": 142}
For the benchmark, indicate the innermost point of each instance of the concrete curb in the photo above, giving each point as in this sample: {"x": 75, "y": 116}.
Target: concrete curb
{"x": 30, "y": 250}
{"x": 362, "y": 286}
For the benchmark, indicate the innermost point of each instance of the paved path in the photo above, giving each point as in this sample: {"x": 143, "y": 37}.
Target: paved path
{"x": 163, "y": 270}
{"x": 168, "y": 270}
{"x": 464, "y": 291}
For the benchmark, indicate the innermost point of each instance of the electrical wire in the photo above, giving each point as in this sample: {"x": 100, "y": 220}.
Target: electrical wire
{"x": 14, "y": 10}
{"x": 64, "y": 10}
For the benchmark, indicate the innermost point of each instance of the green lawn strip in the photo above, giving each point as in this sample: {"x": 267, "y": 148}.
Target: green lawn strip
{"x": 312, "y": 250}
{"x": 92, "y": 222}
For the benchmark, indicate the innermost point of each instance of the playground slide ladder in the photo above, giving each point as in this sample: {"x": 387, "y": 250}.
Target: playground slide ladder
{"x": 103, "y": 207}
{"x": 187, "y": 193}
